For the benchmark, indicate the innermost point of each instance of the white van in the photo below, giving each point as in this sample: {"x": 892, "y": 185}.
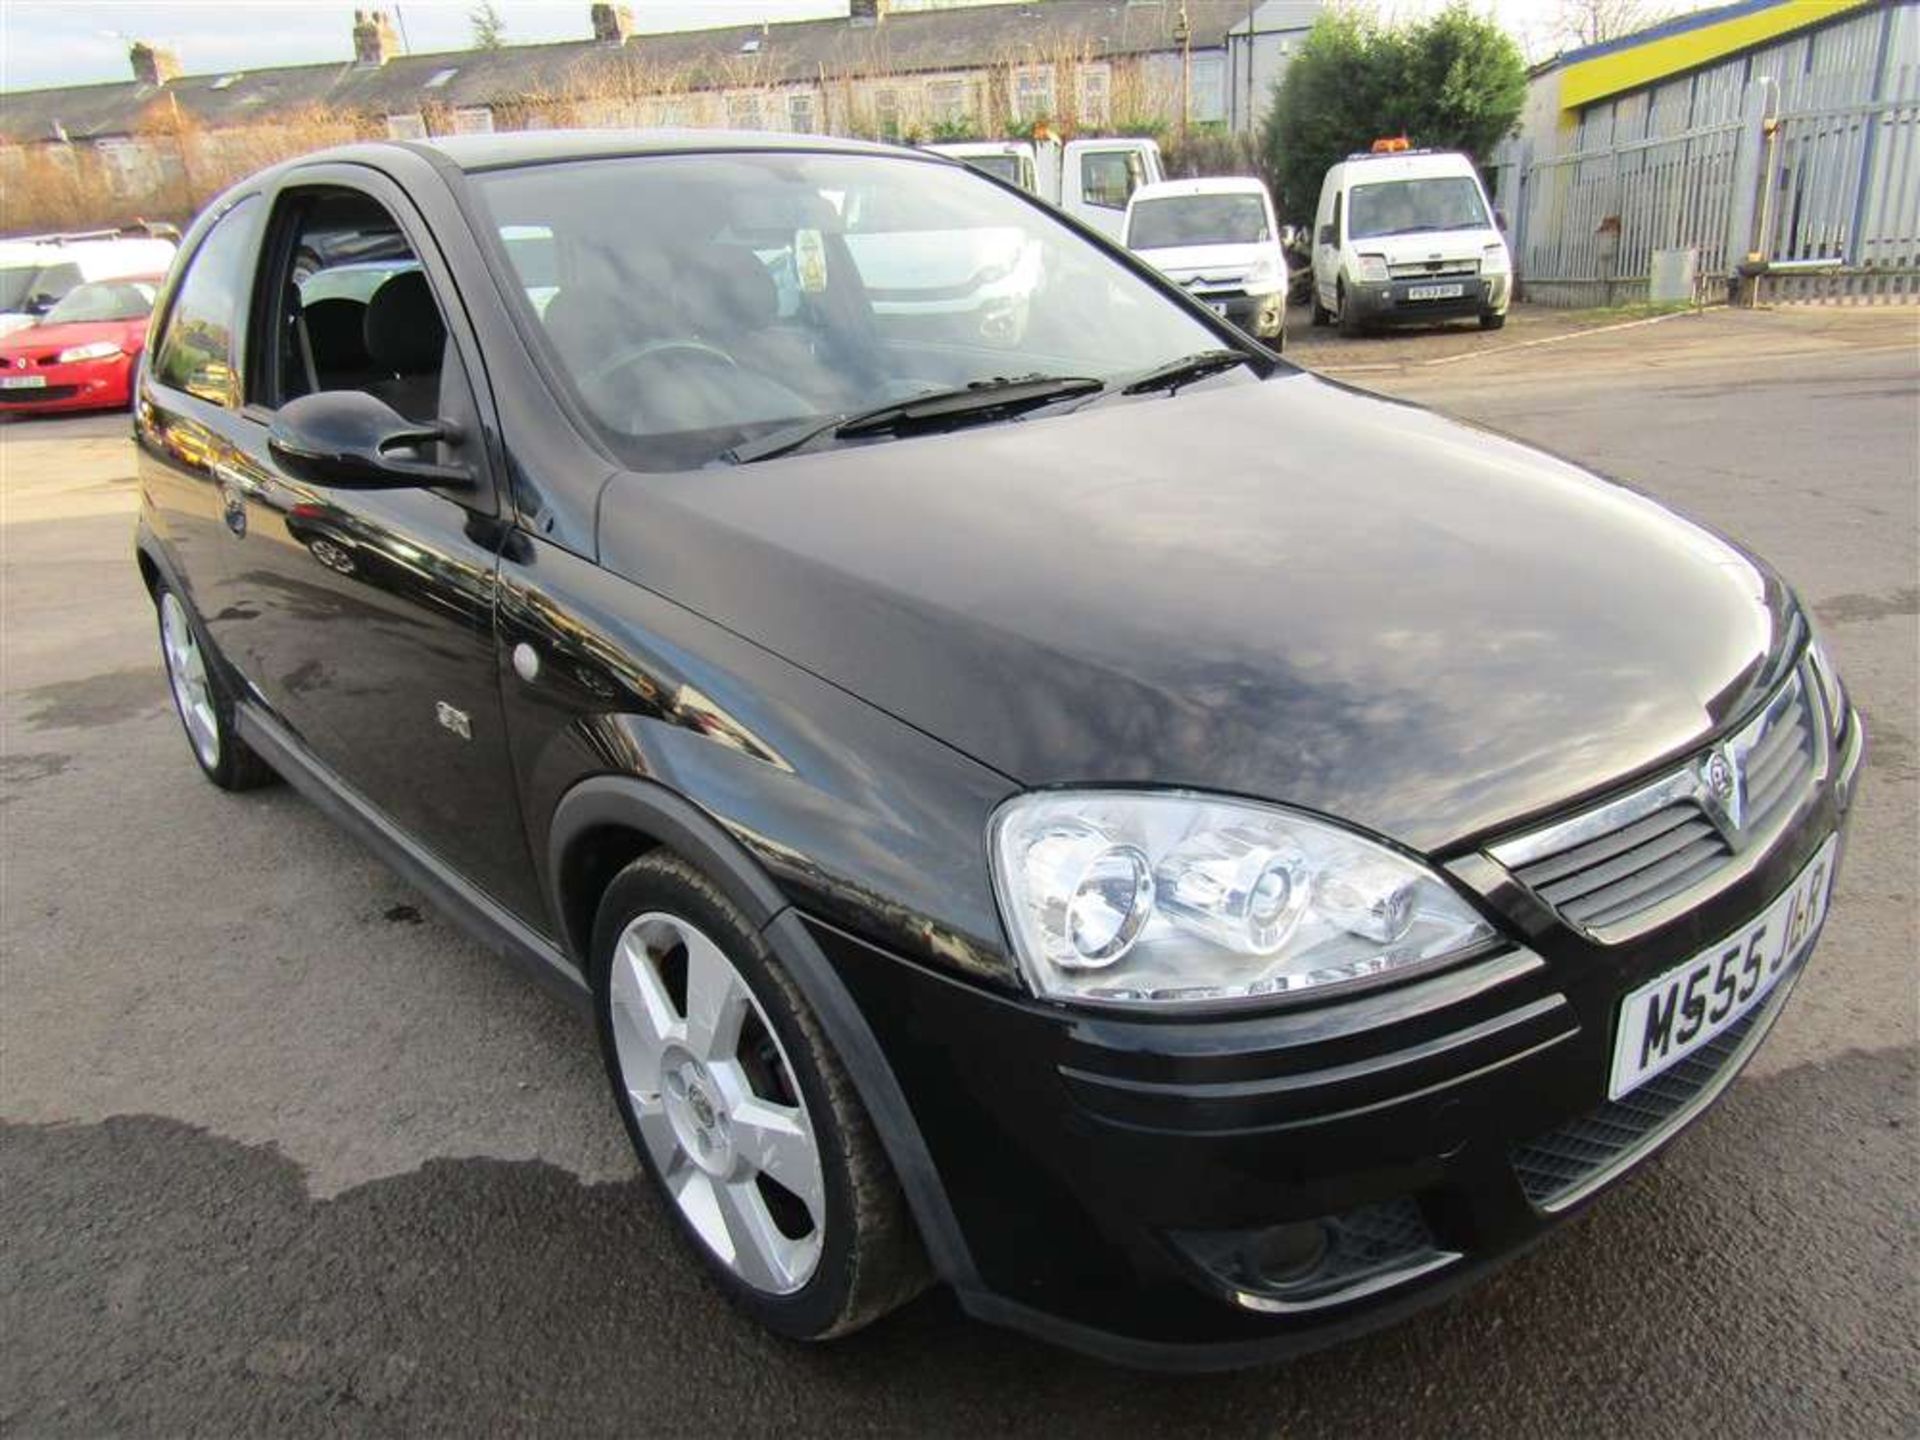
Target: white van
{"x": 1091, "y": 180}
{"x": 1218, "y": 239}
{"x": 1408, "y": 238}
{"x": 34, "y": 274}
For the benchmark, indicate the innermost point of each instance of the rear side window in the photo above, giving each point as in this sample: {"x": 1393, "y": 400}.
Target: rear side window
{"x": 1109, "y": 177}
{"x": 196, "y": 351}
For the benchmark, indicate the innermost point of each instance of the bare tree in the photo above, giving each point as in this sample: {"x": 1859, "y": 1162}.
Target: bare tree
{"x": 1592, "y": 22}
{"x": 489, "y": 29}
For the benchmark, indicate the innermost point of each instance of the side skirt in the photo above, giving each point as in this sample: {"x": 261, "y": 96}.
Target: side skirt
{"x": 488, "y": 922}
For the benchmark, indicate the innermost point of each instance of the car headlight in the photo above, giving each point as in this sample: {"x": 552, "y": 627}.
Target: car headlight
{"x": 1266, "y": 275}
{"x": 97, "y": 350}
{"x": 1137, "y": 898}
{"x": 1833, "y": 695}
{"x": 1494, "y": 261}
{"x": 1372, "y": 267}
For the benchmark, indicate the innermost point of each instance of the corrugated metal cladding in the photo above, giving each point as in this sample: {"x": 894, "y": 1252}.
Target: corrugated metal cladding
{"x": 1828, "y": 198}
{"x": 1834, "y": 65}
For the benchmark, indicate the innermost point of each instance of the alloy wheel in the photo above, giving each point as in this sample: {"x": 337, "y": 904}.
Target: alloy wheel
{"x": 187, "y": 674}
{"x": 717, "y": 1103}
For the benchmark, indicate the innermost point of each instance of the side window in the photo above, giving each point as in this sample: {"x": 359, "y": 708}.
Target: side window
{"x": 355, "y": 310}
{"x": 1337, "y": 195}
{"x": 196, "y": 351}
{"x": 1109, "y": 177}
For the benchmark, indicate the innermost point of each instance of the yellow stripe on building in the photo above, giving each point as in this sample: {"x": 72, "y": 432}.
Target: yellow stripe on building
{"x": 1635, "y": 65}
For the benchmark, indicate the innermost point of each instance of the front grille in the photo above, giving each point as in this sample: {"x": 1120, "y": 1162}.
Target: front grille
{"x": 45, "y": 392}
{"x": 1623, "y": 867}
{"x": 1434, "y": 269}
{"x": 1563, "y": 1165}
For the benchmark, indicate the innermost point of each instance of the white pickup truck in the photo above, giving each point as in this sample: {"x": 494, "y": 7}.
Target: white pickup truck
{"x": 1091, "y": 180}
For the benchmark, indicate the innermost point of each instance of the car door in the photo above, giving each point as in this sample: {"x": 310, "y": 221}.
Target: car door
{"x": 187, "y": 419}
{"x": 368, "y": 627}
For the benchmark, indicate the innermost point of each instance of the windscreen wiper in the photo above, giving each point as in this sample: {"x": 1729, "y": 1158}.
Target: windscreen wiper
{"x": 1185, "y": 370}
{"x": 977, "y": 400}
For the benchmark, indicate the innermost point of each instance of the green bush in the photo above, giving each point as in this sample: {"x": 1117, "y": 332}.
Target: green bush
{"x": 1453, "y": 82}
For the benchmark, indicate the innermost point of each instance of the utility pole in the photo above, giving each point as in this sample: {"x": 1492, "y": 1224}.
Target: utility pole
{"x": 1253, "y": 48}
{"x": 1183, "y": 37}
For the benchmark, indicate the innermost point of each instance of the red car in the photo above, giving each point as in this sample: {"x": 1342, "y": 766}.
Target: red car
{"x": 82, "y": 354}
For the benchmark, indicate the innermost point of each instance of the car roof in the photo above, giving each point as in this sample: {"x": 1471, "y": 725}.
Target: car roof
{"x": 1212, "y": 185}
{"x": 538, "y": 147}
{"x": 1413, "y": 165}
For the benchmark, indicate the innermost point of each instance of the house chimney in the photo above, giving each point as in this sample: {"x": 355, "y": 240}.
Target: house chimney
{"x": 153, "y": 65}
{"x": 374, "y": 42}
{"x": 862, "y": 13}
{"x": 612, "y": 24}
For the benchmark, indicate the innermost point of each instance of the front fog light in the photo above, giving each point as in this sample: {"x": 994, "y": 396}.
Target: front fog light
{"x": 1094, "y": 897}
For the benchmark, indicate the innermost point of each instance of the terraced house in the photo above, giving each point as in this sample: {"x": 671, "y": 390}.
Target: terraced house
{"x": 163, "y": 140}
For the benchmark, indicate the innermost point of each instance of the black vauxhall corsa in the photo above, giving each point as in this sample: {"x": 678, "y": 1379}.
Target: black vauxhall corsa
{"x": 1039, "y": 793}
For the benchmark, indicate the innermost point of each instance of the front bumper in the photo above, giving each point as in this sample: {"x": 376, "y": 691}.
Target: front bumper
{"x": 85, "y": 385}
{"x": 1391, "y": 302}
{"x": 1109, "y": 1176}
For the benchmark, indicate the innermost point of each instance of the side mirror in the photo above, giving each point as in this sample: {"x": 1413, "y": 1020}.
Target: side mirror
{"x": 1288, "y": 235}
{"x": 349, "y": 439}
{"x": 1326, "y": 235}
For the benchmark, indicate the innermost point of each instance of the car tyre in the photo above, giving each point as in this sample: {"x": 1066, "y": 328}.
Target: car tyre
{"x": 1494, "y": 322}
{"x": 1351, "y": 325}
{"x": 202, "y": 699}
{"x": 742, "y": 1113}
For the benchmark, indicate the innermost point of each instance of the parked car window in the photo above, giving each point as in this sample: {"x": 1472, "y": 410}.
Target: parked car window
{"x": 1198, "y": 220}
{"x": 1406, "y": 207}
{"x": 104, "y": 300}
{"x": 359, "y": 312}
{"x": 1109, "y": 177}
{"x": 196, "y": 350}
{"x": 704, "y": 300}
{"x": 1002, "y": 167}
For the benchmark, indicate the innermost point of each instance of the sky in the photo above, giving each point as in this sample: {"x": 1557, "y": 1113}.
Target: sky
{"x": 70, "y": 42}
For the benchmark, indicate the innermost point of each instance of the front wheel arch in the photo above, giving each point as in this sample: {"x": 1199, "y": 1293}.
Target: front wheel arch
{"x": 625, "y": 810}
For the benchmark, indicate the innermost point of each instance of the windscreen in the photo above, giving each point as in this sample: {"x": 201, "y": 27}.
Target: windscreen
{"x": 103, "y": 300}
{"x": 1197, "y": 220}
{"x": 1407, "y": 207}
{"x": 695, "y": 302}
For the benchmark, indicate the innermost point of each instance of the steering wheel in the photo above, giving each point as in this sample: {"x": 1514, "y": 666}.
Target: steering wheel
{"x": 634, "y": 354}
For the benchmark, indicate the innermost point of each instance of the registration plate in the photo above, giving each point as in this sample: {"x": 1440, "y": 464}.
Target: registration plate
{"x": 1435, "y": 292}
{"x": 1670, "y": 1017}
{"x": 23, "y": 382}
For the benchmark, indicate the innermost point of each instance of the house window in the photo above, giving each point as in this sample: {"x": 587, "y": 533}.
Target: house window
{"x": 1096, "y": 89}
{"x": 886, "y": 110}
{"x": 407, "y": 127}
{"x": 1208, "y": 97}
{"x": 473, "y": 120}
{"x": 743, "y": 112}
{"x": 124, "y": 162}
{"x": 1033, "y": 92}
{"x": 948, "y": 102}
{"x": 800, "y": 112}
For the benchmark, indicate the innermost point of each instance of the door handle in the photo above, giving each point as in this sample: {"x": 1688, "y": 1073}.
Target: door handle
{"x": 237, "y": 479}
